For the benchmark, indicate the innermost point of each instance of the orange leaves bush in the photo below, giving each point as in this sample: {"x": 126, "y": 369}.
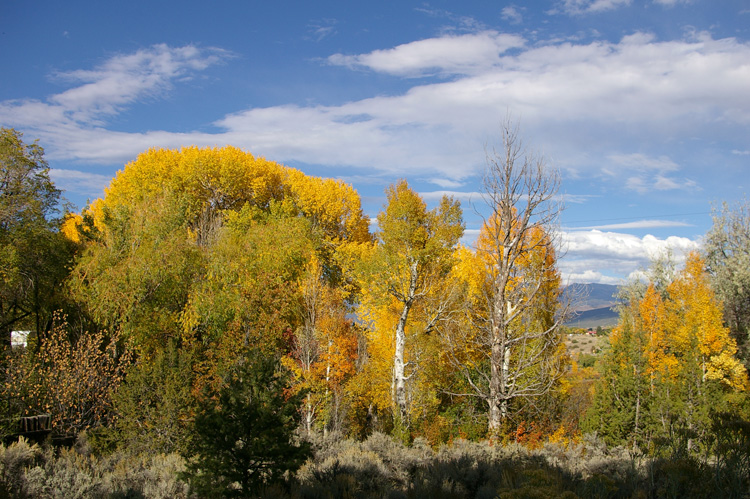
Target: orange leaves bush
{"x": 73, "y": 381}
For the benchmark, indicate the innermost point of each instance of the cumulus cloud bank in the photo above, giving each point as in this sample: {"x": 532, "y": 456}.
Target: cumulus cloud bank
{"x": 622, "y": 254}
{"x": 656, "y": 88}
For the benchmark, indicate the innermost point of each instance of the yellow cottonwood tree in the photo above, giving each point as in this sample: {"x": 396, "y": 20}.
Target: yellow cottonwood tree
{"x": 151, "y": 237}
{"x": 694, "y": 320}
{"x": 204, "y": 249}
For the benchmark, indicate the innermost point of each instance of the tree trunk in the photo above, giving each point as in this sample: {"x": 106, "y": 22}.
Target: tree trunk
{"x": 328, "y": 381}
{"x": 504, "y": 383}
{"x": 398, "y": 386}
{"x": 399, "y": 375}
{"x": 309, "y": 416}
{"x": 495, "y": 401}
{"x": 637, "y": 420}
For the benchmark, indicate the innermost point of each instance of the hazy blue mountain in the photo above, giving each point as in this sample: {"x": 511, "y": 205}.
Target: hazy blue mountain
{"x": 592, "y": 305}
{"x": 590, "y": 296}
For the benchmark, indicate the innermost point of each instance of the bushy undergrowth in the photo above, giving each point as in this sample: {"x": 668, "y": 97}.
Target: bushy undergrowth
{"x": 31, "y": 471}
{"x": 382, "y": 467}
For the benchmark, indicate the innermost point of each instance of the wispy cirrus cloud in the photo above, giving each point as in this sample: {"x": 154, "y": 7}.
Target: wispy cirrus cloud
{"x": 578, "y": 7}
{"x": 459, "y": 195}
{"x": 638, "y": 161}
{"x": 67, "y": 122}
{"x": 638, "y": 224}
{"x": 320, "y": 29}
{"x": 125, "y": 78}
{"x": 80, "y": 182}
{"x": 647, "y": 173}
{"x": 672, "y": 3}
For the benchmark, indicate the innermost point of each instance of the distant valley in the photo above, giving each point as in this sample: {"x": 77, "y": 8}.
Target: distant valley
{"x": 592, "y": 305}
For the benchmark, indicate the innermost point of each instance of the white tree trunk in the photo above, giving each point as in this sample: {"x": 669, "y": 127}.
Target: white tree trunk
{"x": 398, "y": 386}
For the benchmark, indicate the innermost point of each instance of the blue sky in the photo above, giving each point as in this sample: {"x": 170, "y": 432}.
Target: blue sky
{"x": 643, "y": 106}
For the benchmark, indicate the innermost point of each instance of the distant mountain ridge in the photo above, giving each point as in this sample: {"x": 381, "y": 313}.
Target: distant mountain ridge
{"x": 592, "y": 305}
{"x": 590, "y": 296}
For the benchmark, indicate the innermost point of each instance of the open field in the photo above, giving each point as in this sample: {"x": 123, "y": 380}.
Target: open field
{"x": 586, "y": 343}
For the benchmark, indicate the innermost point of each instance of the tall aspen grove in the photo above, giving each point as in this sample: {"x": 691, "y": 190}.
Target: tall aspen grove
{"x": 219, "y": 324}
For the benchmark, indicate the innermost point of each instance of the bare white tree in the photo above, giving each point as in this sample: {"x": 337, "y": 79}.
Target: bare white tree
{"x": 515, "y": 333}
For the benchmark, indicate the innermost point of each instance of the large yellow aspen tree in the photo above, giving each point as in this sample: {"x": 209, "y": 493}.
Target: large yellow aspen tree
{"x": 406, "y": 270}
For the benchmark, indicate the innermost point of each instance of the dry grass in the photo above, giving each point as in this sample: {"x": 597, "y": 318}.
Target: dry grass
{"x": 585, "y": 343}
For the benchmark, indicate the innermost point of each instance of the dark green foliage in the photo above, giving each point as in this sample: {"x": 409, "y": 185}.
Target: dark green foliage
{"x": 244, "y": 439}
{"x": 34, "y": 256}
{"x": 155, "y": 404}
{"x": 586, "y": 360}
{"x": 731, "y": 449}
{"x": 620, "y": 401}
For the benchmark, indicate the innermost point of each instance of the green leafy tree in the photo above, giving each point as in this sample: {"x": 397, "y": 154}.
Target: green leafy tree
{"x": 244, "y": 435}
{"x": 727, "y": 251}
{"x": 622, "y": 392}
{"x": 137, "y": 272}
{"x": 34, "y": 256}
{"x": 249, "y": 289}
{"x": 155, "y": 404}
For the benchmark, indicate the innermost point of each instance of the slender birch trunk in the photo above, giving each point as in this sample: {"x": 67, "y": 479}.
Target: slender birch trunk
{"x": 398, "y": 386}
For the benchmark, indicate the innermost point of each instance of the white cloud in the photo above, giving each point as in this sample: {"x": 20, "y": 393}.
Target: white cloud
{"x": 443, "y": 182}
{"x": 624, "y": 245}
{"x": 464, "y": 54}
{"x": 512, "y": 14}
{"x": 616, "y": 253}
{"x": 593, "y": 277}
{"x": 591, "y": 6}
{"x": 663, "y": 183}
{"x": 84, "y": 183}
{"x": 642, "y": 162}
{"x": 575, "y": 198}
{"x": 640, "y": 224}
{"x": 671, "y": 3}
{"x": 461, "y": 196}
